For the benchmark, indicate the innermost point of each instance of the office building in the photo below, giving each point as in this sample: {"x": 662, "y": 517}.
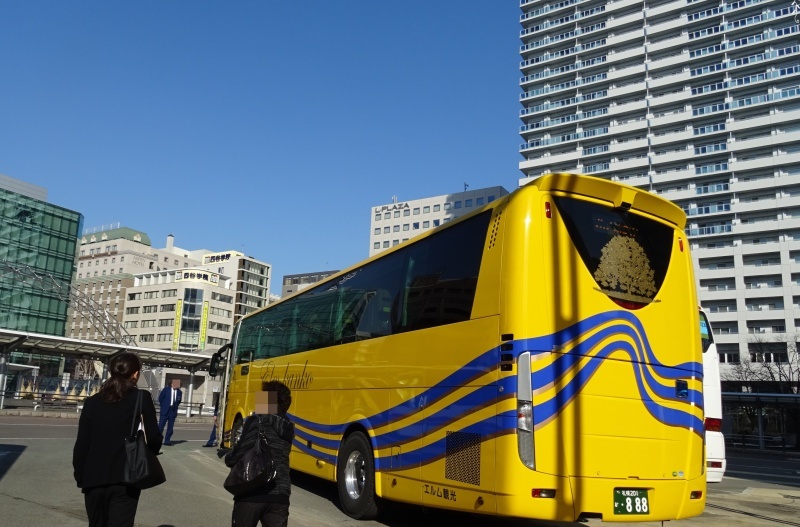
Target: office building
{"x": 698, "y": 102}
{"x": 398, "y": 221}
{"x": 111, "y": 259}
{"x": 38, "y": 240}
{"x": 293, "y": 283}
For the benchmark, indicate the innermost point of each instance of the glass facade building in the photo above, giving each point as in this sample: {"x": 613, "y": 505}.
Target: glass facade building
{"x": 36, "y": 237}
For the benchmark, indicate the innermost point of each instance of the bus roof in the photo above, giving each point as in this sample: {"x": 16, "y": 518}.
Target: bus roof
{"x": 614, "y": 192}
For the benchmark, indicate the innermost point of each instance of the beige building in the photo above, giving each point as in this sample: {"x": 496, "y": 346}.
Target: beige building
{"x": 293, "y": 283}
{"x": 398, "y": 221}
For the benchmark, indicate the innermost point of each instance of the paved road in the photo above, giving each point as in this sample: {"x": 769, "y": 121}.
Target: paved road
{"x": 36, "y": 488}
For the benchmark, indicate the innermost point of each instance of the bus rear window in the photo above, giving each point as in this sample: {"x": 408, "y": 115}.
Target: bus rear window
{"x": 627, "y": 254}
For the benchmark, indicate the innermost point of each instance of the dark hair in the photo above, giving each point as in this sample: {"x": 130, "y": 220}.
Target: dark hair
{"x": 284, "y": 395}
{"x": 122, "y": 367}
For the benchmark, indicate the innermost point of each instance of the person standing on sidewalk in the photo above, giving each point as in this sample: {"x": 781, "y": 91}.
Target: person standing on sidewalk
{"x": 212, "y": 439}
{"x": 98, "y": 457}
{"x": 169, "y": 399}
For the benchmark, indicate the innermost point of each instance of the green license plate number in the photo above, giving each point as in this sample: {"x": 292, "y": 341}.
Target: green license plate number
{"x": 631, "y": 501}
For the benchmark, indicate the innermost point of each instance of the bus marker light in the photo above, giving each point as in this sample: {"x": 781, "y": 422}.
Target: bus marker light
{"x": 680, "y": 243}
{"x": 714, "y": 464}
{"x": 696, "y": 495}
{"x": 543, "y": 493}
{"x": 547, "y": 212}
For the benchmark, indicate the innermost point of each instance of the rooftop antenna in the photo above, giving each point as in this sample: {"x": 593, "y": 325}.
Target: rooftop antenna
{"x": 394, "y": 199}
{"x": 465, "y": 187}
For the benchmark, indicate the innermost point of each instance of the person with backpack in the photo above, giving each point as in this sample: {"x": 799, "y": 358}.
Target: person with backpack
{"x": 268, "y": 504}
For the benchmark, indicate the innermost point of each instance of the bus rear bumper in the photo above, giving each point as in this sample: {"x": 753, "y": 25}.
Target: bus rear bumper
{"x": 594, "y": 498}
{"x": 665, "y": 500}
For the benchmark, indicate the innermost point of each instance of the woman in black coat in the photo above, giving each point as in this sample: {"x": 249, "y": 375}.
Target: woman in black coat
{"x": 268, "y": 504}
{"x": 98, "y": 458}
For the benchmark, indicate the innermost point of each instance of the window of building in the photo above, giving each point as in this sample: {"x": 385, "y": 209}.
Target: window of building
{"x": 147, "y": 338}
{"x": 164, "y": 322}
{"x": 386, "y": 244}
{"x": 435, "y": 223}
{"x": 378, "y": 217}
{"x": 167, "y": 293}
{"x": 426, "y": 209}
{"x": 407, "y": 212}
{"x": 150, "y": 294}
{"x": 426, "y": 224}
{"x": 130, "y": 324}
{"x": 121, "y": 258}
{"x": 164, "y": 337}
{"x": 396, "y": 228}
{"x": 437, "y": 208}
{"x": 415, "y": 226}
{"x": 131, "y": 310}
{"x": 376, "y": 245}
{"x": 134, "y": 296}
{"x": 377, "y": 230}
{"x": 468, "y": 203}
{"x": 397, "y": 214}
{"x": 479, "y": 201}
{"x": 386, "y": 230}
{"x": 149, "y": 309}
{"x": 405, "y": 226}
{"x": 491, "y": 199}
{"x": 387, "y": 215}
{"x": 395, "y": 242}
{"x": 457, "y": 205}
{"x": 416, "y": 211}
{"x": 166, "y": 307}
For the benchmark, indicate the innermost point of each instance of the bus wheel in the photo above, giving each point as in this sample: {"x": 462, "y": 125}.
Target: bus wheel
{"x": 236, "y": 430}
{"x": 356, "y": 478}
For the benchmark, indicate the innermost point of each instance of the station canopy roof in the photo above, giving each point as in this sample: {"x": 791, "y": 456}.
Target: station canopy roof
{"x": 23, "y": 342}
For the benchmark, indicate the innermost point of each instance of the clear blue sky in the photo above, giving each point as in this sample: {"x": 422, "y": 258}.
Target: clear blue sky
{"x": 269, "y": 127}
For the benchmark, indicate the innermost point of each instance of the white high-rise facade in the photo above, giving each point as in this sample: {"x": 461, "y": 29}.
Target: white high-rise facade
{"x": 698, "y": 102}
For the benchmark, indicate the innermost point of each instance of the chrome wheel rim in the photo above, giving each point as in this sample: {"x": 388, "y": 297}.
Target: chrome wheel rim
{"x": 354, "y": 475}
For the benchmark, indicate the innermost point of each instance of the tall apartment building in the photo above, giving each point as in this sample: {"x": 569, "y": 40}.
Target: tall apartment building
{"x": 400, "y": 220}
{"x": 697, "y": 101}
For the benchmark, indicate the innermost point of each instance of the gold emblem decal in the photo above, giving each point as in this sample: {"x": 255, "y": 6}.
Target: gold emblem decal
{"x": 625, "y": 271}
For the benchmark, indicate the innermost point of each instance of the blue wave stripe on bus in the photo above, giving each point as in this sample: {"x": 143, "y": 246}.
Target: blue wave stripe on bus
{"x": 580, "y": 352}
{"x": 487, "y": 362}
{"x": 562, "y": 337}
{"x": 316, "y": 454}
{"x": 670, "y": 416}
{"x": 437, "y": 449}
{"x": 322, "y": 442}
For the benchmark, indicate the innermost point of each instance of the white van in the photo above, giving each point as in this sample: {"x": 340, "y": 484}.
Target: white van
{"x": 712, "y": 403}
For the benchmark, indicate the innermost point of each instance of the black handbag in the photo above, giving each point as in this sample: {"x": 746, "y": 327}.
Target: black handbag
{"x": 256, "y": 468}
{"x": 142, "y": 468}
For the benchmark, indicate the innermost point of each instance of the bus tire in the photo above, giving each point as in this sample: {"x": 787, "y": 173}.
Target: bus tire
{"x": 236, "y": 430}
{"x": 355, "y": 473}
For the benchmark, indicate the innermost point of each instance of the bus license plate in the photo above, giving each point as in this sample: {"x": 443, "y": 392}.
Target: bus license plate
{"x": 631, "y": 501}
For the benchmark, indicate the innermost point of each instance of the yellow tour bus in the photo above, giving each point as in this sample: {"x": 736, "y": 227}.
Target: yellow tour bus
{"x": 537, "y": 358}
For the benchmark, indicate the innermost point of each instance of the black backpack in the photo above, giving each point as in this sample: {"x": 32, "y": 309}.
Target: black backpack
{"x": 255, "y": 468}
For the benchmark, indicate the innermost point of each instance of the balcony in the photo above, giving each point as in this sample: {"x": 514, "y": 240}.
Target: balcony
{"x": 615, "y": 5}
{"x": 671, "y": 157}
{"x": 719, "y": 272}
{"x": 619, "y": 109}
{"x": 671, "y": 118}
{"x": 631, "y": 126}
{"x": 624, "y": 73}
{"x": 681, "y": 58}
{"x": 681, "y": 95}
{"x": 630, "y": 164}
{"x": 621, "y": 91}
{"x": 676, "y": 42}
{"x": 613, "y": 22}
{"x": 677, "y": 22}
{"x": 682, "y": 78}
{"x": 752, "y": 206}
{"x": 684, "y": 135}
{"x": 747, "y": 144}
{"x": 624, "y": 55}
{"x": 666, "y": 8}
{"x": 615, "y": 40}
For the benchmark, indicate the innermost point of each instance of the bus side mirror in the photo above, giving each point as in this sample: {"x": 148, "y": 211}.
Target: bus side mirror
{"x": 213, "y": 366}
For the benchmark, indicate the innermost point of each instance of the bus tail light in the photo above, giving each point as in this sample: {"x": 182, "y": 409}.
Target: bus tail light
{"x": 714, "y": 464}
{"x": 696, "y": 495}
{"x": 713, "y": 425}
{"x": 524, "y": 410}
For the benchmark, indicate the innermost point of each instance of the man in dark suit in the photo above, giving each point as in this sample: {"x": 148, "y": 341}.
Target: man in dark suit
{"x": 168, "y": 400}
